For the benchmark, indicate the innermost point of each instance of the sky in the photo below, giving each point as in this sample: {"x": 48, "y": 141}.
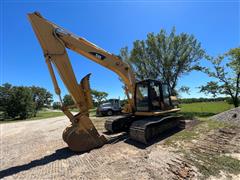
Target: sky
{"x": 111, "y": 25}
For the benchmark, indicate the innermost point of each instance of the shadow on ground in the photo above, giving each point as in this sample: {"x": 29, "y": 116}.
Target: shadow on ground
{"x": 57, "y": 155}
{"x": 126, "y": 139}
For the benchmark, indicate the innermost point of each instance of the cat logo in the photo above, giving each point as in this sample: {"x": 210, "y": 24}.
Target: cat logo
{"x": 97, "y": 55}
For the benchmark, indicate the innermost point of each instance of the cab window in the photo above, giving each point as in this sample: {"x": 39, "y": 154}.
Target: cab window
{"x": 166, "y": 94}
{"x": 142, "y": 97}
{"x": 155, "y": 95}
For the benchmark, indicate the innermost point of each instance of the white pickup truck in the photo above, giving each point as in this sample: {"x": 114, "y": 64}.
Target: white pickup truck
{"x": 109, "y": 108}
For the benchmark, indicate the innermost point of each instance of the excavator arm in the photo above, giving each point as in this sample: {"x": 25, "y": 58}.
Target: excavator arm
{"x": 81, "y": 135}
{"x": 55, "y": 39}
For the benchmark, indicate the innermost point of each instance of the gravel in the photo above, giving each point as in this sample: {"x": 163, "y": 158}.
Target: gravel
{"x": 35, "y": 150}
{"x": 232, "y": 115}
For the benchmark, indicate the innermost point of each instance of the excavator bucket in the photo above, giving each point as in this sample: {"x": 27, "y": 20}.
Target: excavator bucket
{"x": 81, "y": 135}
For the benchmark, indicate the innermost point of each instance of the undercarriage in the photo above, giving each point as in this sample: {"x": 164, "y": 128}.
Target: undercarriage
{"x": 143, "y": 129}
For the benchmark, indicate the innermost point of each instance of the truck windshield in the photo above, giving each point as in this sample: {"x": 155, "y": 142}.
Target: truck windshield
{"x": 106, "y": 105}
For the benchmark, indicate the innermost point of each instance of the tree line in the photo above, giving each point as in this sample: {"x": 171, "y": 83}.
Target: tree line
{"x": 22, "y": 101}
{"x": 97, "y": 96}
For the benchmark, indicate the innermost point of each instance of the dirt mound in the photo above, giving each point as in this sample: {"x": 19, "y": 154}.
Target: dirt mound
{"x": 232, "y": 115}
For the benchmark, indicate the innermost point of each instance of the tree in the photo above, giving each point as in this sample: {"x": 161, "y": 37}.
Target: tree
{"x": 67, "y": 100}
{"x": 41, "y": 98}
{"x": 211, "y": 87}
{"x": 16, "y": 101}
{"x": 184, "y": 89}
{"x": 164, "y": 57}
{"x": 226, "y": 72}
{"x": 21, "y": 102}
{"x": 98, "y": 96}
{"x": 4, "y": 95}
{"x": 56, "y": 105}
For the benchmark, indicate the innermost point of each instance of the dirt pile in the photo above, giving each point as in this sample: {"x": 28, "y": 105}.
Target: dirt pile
{"x": 232, "y": 115}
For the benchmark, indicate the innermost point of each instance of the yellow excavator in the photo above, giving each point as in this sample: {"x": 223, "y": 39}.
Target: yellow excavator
{"x": 150, "y": 109}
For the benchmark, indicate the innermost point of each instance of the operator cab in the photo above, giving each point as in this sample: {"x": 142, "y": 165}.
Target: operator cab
{"x": 152, "y": 95}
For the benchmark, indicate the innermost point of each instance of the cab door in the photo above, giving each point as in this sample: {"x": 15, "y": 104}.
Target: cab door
{"x": 141, "y": 96}
{"x": 155, "y": 95}
{"x": 166, "y": 95}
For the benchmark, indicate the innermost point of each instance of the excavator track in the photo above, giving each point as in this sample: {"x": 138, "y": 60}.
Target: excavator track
{"x": 119, "y": 124}
{"x": 147, "y": 129}
{"x": 141, "y": 129}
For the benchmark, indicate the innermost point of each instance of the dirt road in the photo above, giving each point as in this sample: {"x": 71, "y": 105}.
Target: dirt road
{"x": 35, "y": 150}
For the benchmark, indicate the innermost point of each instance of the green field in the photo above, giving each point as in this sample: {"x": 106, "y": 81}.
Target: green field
{"x": 47, "y": 114}
{"x": 43, "y": 115}
{"x": 40, "y": 115}
{"x": 204, "y": 109}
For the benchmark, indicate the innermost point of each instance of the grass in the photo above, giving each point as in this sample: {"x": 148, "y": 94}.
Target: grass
{"x": 206, "y": 107}
{"x": 202, "y": 111}
{"x": 181, "y": 136}
{"x": 45, "y": 114}
{"x": 212, "y": 165}
{"x": 207, "y": 164}
{"x": 40, "y": 115}
{"x": 205, "y": 125}
{"x": 92, "y": 112}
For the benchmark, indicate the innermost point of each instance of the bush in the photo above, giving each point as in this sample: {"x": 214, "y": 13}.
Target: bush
{"x": 230, "y": 101}
{"x": 41, "y": 98}
{"x": 22, "y": 102}
{"x": 67, "y": 100}
{"x": 17, "y": 102}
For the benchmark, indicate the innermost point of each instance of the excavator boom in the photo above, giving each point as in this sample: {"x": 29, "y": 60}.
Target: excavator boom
{"x": 55, "y": 39}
